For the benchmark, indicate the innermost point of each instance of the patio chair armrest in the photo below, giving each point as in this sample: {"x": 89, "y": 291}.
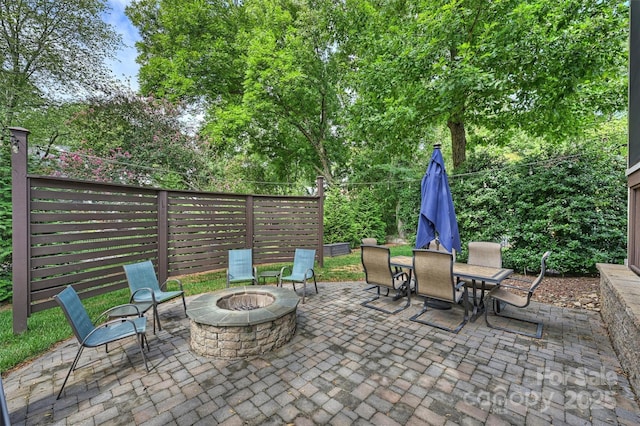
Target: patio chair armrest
{"x": 144, "y": 289}
{"x": 105, "y": 314}
{"x": 399, "y": 274}
{"x": 312, "y": 273}
{"x": 163, "y": 287}
{"x": 108, "y": 323}
{"x": 513, "y": 287}
{"x": 284, "y": 268}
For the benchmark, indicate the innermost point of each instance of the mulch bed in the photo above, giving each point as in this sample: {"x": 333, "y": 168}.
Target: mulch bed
{"x": 569, "y": 292}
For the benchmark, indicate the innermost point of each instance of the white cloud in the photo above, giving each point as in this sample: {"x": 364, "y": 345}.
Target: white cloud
{"x": 124, "y": 67}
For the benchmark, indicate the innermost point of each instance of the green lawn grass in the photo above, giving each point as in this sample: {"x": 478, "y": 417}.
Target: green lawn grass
{"x": 47, "y": 328}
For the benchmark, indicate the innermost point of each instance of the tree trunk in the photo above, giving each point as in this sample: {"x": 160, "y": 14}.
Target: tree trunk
{"x": 458, "y": 142}
{"x": 399, "y": 223}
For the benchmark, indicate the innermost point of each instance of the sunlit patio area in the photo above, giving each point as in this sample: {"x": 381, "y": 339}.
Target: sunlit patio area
{"x": 347, "y": 364}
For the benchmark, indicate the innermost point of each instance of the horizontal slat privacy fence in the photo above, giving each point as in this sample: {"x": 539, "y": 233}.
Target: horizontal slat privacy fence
{"x": 69, "y": 232}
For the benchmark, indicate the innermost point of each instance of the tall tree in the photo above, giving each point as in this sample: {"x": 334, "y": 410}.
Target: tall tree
{"x": 187, "y": 48}
{"x": 551, "y": 68}
{"x": 290, "y": 103}
{"x": 266, "y": 70}
{"x": 51, "y": 47}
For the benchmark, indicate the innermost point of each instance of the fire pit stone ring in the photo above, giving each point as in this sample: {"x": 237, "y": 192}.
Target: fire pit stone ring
{"x": 238, "y": 322}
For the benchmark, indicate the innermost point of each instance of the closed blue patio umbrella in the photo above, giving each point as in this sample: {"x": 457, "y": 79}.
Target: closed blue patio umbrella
{"x": 437, "y": 214}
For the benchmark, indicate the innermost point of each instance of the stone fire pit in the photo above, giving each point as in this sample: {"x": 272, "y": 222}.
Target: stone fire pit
{"x": 241, "y": 321}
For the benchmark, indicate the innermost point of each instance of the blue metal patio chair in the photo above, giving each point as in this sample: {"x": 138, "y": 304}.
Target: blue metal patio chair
{"x": 90, "y": 335}
{"x": 144, "y": 287}
{"x": 303, "y": 262}
{"x": 241, "y": 267}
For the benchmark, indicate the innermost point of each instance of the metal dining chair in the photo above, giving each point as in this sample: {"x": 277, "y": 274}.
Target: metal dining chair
{"x": 376, "y": 262}
{"x": 518, "y": 297}
{"x": 484, "y": 253}
{"x": 434, "y": 279}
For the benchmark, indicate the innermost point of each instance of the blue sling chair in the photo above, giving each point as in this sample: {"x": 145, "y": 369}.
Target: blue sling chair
{"x": 90, "y": 335}
{"x": 303, "y": 262}
{"x": 145, "y": 288}
{"x": 241, "y": 267}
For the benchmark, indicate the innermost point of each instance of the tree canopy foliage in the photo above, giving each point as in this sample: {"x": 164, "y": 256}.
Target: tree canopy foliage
{"x": 124, "y": 138}
{"x": 304, "y": 79}
{"x": 550, "y": 68}
{"x": 51, "y": 48}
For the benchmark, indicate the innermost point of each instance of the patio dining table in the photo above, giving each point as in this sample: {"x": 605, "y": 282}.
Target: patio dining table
{"x": 470, "y": 273}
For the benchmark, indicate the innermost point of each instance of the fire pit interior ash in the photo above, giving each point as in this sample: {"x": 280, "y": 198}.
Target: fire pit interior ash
{"x": 245, "y": 302}
{"x": 242, "y": 321}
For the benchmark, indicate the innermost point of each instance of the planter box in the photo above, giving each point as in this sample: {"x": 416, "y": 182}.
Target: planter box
{"x": 336, "y": 249}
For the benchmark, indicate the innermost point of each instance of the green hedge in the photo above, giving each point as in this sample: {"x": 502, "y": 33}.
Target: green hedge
{"x": 570, "y": 200}
{"x": 572, "y": 204}
{"x": 352, "y": 217}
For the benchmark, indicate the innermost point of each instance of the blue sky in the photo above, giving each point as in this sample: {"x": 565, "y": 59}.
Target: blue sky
{"x": 125, "y": 67}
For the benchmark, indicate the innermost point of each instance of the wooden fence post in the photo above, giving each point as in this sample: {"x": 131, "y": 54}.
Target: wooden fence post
{"x": 20, "y": 224}
{"x": 320, "y": 186}
{"x": 163, "y": 236}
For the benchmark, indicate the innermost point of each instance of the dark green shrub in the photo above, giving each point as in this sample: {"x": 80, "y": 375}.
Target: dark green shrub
{"x": 572, "y": 204}
{"x": 338, "y": 218}
{"x": 351, "y": 217}
{"x": 368, "y": 221}
{"x": 5, "y": 226}
{"x": 5, "y": 288}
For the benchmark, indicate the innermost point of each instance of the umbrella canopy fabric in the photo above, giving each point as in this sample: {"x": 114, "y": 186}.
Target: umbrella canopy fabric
{"x": 437, "y": 213}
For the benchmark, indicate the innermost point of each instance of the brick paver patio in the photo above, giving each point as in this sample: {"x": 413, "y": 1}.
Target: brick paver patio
{"x": 347, "y": 364}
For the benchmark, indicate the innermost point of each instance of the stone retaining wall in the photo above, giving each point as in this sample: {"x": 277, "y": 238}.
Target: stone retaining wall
{"x": 620, "y": 298}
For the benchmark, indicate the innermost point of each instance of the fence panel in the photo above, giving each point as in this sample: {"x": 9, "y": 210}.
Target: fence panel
{"x": 202, "y": 227}
{"x": 282, "y": 225}
{"x": 82, "y": 233}
{"x": 70, "y": 232}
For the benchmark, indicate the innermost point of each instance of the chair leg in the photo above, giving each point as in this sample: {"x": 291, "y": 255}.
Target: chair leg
{"x": 537, "y": 334}
{"x": 184, "y": 303}
{"x": 442, "y": 327}
{"x": 371, "y": 287}
{"x": 367, "y": 304}
{"x": 156, "y": 318}
{"x": 140, "y": 340}
{"x": 73, "y": 366}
